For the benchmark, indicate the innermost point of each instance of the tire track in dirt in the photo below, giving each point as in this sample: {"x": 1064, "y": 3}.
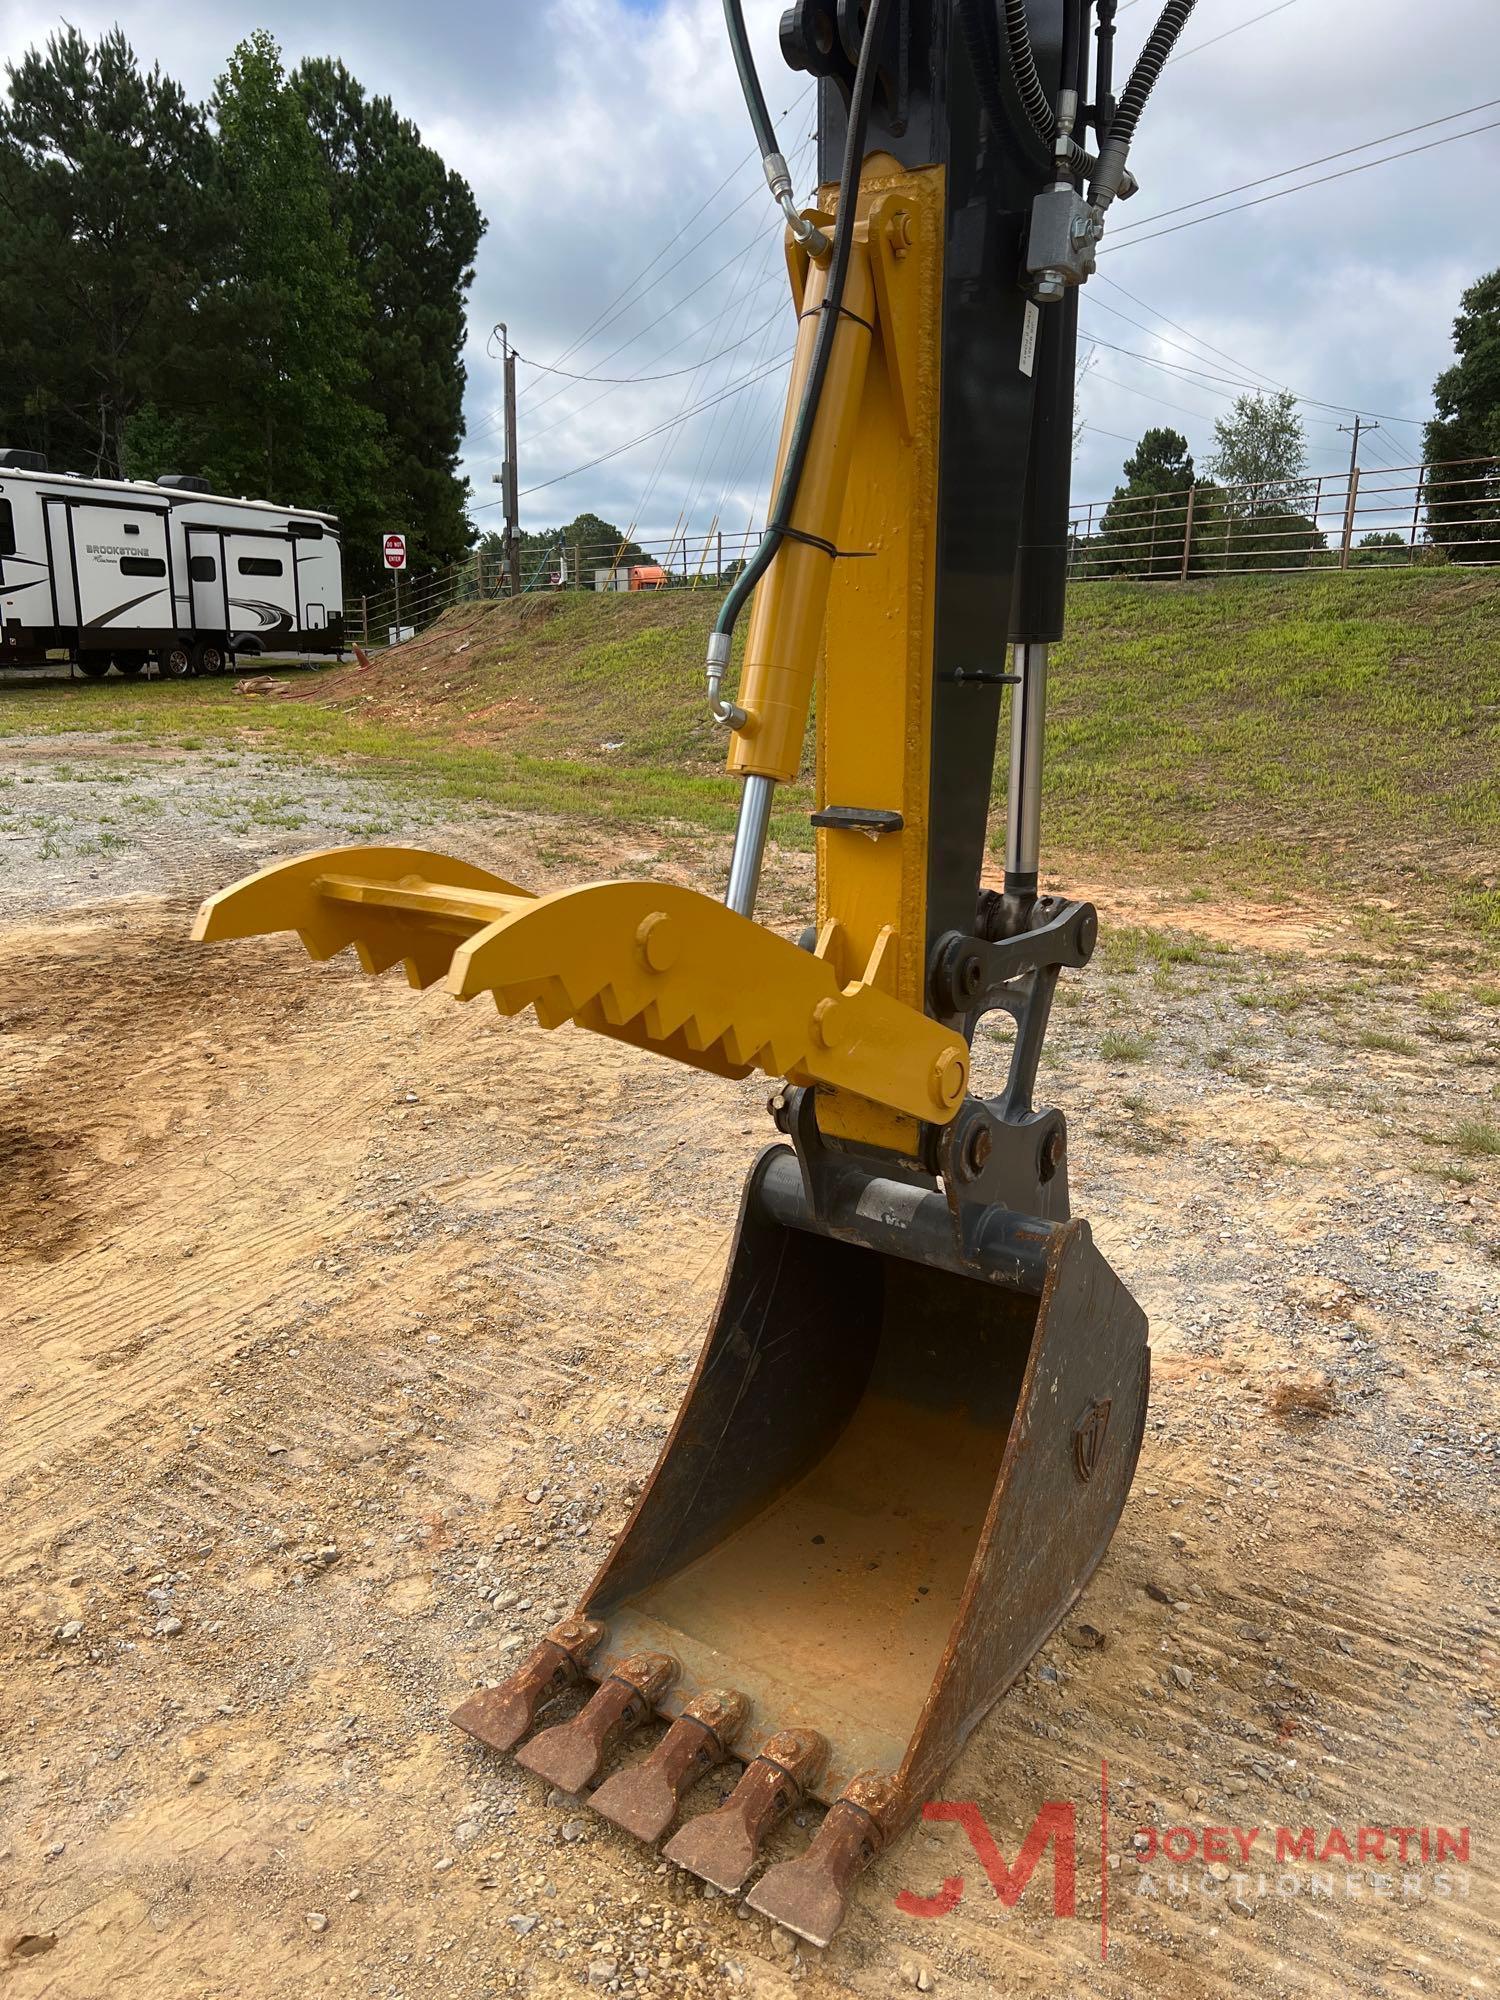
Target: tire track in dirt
{"x": 444, "y": 1263}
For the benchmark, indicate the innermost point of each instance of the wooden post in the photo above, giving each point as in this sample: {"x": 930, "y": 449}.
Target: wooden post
{"x": 1416, "y": 507}
{"x": 1349, "y": 506}
{"x": 1187, "y": 534}
{"x": 364, "y": 619}
{"x": 1151, "y": 550}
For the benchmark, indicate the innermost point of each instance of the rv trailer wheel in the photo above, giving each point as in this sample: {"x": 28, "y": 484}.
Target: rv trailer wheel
{"x": 208, "y": 659}
{"x": 131, "y": 665}
{"x": 176, "y": 662}
{"x": 93, "y": 666}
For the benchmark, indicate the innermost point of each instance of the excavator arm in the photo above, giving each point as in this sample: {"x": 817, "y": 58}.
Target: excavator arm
{"x": 918, "y": 1408}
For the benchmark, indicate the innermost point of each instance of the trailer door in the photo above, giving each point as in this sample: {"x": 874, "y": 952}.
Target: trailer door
{"x": 262, "y": 583}
{"x": 57, "y": 523}
{"x": 207, "y": 580}
{"x": 121, "y": 569}
{"x": 315, "y": 553}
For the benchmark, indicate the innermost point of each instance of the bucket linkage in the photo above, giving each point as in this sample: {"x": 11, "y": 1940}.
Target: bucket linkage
{"x": 915, "y": 1417}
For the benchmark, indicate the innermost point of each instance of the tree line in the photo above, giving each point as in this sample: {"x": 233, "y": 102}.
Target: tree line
{"x": 1254, "y": 510}
{"x": 267, "y": 290}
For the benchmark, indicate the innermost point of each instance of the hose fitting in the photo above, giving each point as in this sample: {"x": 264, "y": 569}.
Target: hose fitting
{"x": 779, "y": 181}
{"x": 715, "y": 667}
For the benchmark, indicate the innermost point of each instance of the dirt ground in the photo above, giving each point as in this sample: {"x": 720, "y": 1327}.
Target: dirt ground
{"x": 340, "y": 1324}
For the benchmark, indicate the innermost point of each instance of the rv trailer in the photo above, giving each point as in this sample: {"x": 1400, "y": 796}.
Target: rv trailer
{"x": 131, "y": 571}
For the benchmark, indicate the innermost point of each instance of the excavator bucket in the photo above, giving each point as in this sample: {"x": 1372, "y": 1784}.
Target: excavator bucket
{"x": 891, "y": 1476}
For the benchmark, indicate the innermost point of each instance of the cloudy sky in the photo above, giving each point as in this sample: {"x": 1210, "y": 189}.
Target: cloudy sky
{"x": 630, "y": 233}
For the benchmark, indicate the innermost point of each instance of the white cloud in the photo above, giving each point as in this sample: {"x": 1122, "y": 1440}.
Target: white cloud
{"x": 592, "y": 129}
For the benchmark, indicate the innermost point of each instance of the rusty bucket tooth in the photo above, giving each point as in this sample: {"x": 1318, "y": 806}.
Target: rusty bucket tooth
{"x": 499, "y": 1717}
{"x": 810, "y": 1895}
{"x": 569, "y": 1754}
{"x": 721, "y": 1846}
{"x": 643, "y": 1799}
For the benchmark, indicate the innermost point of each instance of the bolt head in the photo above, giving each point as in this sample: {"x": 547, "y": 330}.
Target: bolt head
{"x": 658, "y": 942}
{"x": 898, "y": 233}
{"x": 950, "y": 1077}
{"x": 977, "y": 1148}
{"x": 828, "y": 1021}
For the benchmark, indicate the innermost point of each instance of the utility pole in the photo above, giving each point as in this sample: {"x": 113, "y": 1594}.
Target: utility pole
{"x": 509, "y": 482}
{"x": 1360, "y": 424}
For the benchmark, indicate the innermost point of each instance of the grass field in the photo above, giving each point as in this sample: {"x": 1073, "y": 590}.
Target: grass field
{"x": 1291, "y": 736}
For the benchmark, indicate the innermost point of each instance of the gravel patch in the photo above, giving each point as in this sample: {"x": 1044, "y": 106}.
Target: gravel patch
{"x": 84, "y": 819}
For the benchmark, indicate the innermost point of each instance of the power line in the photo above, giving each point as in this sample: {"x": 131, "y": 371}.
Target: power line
{"x": 622, "y": 302}
{"x": 1322, "y": 180}
{"x": 1346, "y": 408}
{"x": 1151, "y": 397}
{"x": 1094, "y": 430}
{"x": 1197, "y": 48}
{"x": 1209, "y": 376}
{"x": 1344, "y": 152}
{"x": 1141, "y": 326}
{"x": 570, "y": 416}
{"x": 744, "y": 251}
{"x": 645, "y": 437}
{"x": 619, "y": 381}
{"x": 738, "y": 168}
{"x": 1177, "y": 327}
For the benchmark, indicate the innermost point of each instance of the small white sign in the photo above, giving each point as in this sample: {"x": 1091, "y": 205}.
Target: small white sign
{"x": 1029, "y": 326}
{"x": 394, "y": 547}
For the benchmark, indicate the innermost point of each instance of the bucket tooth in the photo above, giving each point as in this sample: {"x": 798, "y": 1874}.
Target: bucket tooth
{"x": 810, "y": 1895}
{"x": 500, "y": 1716}
{"x": 569, "y": 1754}
{"x": 643, "y": 1798}
{"x": 721, "y": 1846}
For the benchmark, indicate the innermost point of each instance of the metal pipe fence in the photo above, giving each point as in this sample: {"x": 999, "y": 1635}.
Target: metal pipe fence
{"x": 670, "y": 560}
{"x": 1380, "y": 517}
{"x": 1383, "y": 517}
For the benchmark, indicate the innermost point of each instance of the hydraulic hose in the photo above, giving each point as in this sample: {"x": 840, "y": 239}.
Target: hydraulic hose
{"x": 838, "y": 270}
{"x": 976, "y": 24}
{"x": 1104, "y": 73}
{"x": 1149, "y": 65}
{"x": 1024, "y": 70}
{"x": 778, "y": 174}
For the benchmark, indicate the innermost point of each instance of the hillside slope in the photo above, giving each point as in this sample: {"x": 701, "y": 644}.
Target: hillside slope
{"x": 1293, "y": 731}
{"x": 1314, "y": 735}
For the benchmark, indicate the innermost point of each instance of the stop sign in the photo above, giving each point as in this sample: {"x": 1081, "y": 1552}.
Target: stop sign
{"x": 395, "y": 551}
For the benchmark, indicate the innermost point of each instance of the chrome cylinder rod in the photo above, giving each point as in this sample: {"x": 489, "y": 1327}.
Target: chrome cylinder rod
{"x": 750, "y": 833}
{"x": 1023, "y": 823}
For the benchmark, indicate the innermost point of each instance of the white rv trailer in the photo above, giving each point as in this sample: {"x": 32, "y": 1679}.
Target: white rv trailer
{"x": 103, "y": 570}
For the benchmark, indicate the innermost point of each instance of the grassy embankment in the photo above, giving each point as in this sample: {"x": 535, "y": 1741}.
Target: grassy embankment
{"x": 1268, "y": 736}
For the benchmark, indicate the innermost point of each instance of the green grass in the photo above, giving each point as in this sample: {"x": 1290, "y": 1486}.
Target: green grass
{"x": 1476, "y": 1139}
{"x": 1274, "y": 737}
{"x": 1116, "y": 1046}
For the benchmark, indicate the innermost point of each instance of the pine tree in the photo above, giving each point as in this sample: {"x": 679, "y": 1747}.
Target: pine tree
{"x": 1144, "y": 523}
{"x": 1463, "y": 498}
{"x": 107, "y": 233}
{"x": 292, "y": 421}
{"x": 413, "y": 228}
